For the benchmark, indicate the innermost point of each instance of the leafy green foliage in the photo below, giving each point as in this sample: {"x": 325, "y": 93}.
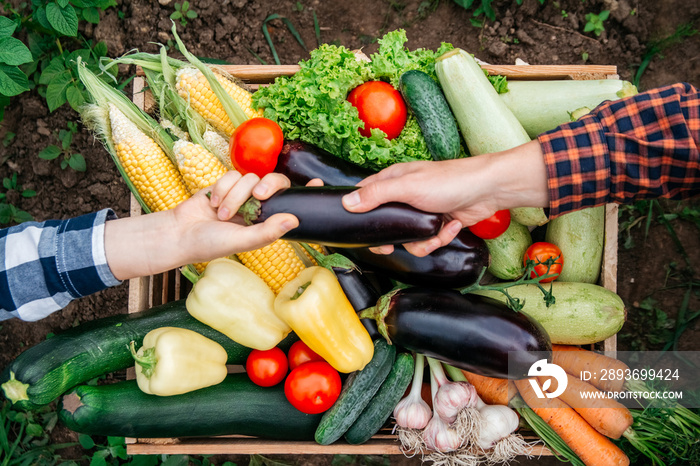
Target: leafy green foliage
{"x": 594, "y": 22}
{"x": 47, "y": 61}
{"x": 73, "y": 160}
{"x": 9, "y": 213}
{"x": 183, "y": 12}
{"x": 483, "y": 8}
{"x": 655, "y": 48}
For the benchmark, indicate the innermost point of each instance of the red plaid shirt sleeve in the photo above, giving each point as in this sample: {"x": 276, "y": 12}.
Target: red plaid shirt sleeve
{"x": 641, "y": 147}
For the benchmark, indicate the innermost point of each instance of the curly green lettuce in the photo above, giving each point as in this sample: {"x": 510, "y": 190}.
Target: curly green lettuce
{"x": 311, "y": 105}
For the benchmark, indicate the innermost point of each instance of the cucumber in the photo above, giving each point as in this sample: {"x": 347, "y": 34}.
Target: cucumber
{"x": 507, "y": 251}
{"x": 425, "y": 99}
{"x": 383, "y": 403}
{"x": 357, "y": 392}
{"x": 583, "y": 313}
{"x": 581, "y": 236}
{"x": 235, "y": 406}
{"x": 48, "y": 369}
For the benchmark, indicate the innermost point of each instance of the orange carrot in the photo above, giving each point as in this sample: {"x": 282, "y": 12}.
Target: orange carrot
{"x": 575, "y": 361}
{"x": 606, "y": 415}
{"x": 593, "y": 448}
{"x": 492, "y": 391}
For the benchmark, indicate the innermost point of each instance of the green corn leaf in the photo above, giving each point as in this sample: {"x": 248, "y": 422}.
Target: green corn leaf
{"x": 13, "y": 52}
{"x": 63, "y": 19}
{"x": 12, "y": 81}
{"x": 7, "y": 26}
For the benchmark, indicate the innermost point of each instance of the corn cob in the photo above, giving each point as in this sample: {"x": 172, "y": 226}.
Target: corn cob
{"x": 219, "y": 146}
{"x": 149, "y": 169}
{"x": 277, "y": 263}
{"x": 199, "y": 167}
{"x": 195, "y": 89}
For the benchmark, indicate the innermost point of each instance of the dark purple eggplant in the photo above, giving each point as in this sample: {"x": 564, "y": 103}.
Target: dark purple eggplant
{"x": 455, "y": 265}
{"x": 324, "y": 220}
{"x": 302, "y": 162}
{"x": 471, "y": 332}
{"x": 361, "y": 294}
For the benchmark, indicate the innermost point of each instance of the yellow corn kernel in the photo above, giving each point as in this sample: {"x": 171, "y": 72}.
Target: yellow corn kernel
{"x": 149, "y": 169}
{"x": 219, "y": 146}
{"x": 277, "y": 263}
{"x": 194, "y": 88}
{"x": 199, "y": 167}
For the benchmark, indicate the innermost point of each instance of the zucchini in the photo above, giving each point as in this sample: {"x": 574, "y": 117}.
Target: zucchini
{"x": 235, "y": 406}
{"x": 583, "y": 313}
{"x": 383, "y": 403}
{"x": 48, "y": 369}
{"x": 507, "y": 251}
{"x": 486, "y": 123}
{"x": 425, "y": 99}
{"x": 581, "y": 236}
{"x": 358, "y": 390}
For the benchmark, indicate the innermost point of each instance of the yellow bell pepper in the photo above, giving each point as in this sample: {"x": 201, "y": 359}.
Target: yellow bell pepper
{"x": 315, "y": 307}
{"x": 232, "y": 299}
{"x": 173, "y": 361}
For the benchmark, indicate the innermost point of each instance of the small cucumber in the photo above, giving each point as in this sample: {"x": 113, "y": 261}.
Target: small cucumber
{"x": 425, "y": 99}
{"x": 357, "y": 392}
{"x": 581, "y": 236}
{"x": 235, "y": 406}
{"x": 583, "y": 313}
{"x": 507, "y": 251}
{"x": 382, "y": 405}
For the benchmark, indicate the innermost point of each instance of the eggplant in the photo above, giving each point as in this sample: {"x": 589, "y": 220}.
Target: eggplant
{"x": 323, "y": 219}
{"x": 302, "y": 162}
{"x": 470, "y": 332}
{"x": 455, "y": 265}
{"x": 361, "y": 293}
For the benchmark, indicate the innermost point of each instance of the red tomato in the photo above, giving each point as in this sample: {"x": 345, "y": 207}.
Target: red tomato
{"x": 299, "y": 353}
{"x": 255, "y": 146}
{"x": 492, "y": 227}
{"x": 266, "y": 368}
{"x": 313, "y": 387}
{"x": 539, "y": 253}
{"x": 380, "y": 106}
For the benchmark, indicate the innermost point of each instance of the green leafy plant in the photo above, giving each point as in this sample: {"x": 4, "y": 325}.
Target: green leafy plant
{"x": 73, "y": 160}
{"x": 656, "y": 47}
{"x": 47, "y": 60}
{"x": 595, "y": 22}
{"x": 9, "y": 213}
{"x": 483, "y": 9}
{"x": 183, "y": 12}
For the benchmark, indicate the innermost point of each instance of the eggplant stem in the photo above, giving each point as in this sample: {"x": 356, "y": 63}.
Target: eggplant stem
{"x": 379, "y": 313}
{"x": 331, "y": 261}
{"x": 250, "y": 210}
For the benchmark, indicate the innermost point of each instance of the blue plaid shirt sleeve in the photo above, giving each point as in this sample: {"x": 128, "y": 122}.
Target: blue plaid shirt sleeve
{"x": 44, "y": 266}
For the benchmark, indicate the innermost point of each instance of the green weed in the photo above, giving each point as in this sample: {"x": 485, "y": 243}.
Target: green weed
{"x": 655, "y": 48}
{"x": 69, "y": 158}
{"x": 594, "y": 22}
{"x": 9, "y": 213}
{"x": 183, "y": 12}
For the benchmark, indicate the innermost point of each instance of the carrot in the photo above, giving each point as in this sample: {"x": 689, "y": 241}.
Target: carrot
{"x": 606, "y": 415}
{"x": 575, "y": 361}
{"x": 593, "y": 448}
{"x": 491, "y": 390}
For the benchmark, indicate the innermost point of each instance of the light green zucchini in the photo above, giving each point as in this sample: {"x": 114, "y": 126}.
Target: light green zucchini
{"x": 507, "y": 252}
{"x": 581, "y": 237}
{"x": 583, "y": 313}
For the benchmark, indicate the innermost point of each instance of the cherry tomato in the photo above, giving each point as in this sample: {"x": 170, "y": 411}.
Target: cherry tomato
{"x": 313, "y": 387}
{"x": 266, "y": 368}
{"x": 299, "y": 353}
{"x": 539, "y": 253}
{"x": 380, "y": 106}
{"x": 255, "y": 146}
{"x": 492, "y": 227}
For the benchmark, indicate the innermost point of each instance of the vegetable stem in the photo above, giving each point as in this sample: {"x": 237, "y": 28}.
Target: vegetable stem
{"x": 147, "y": 360}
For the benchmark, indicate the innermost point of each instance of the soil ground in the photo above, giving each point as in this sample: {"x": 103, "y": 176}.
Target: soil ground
{"x": 551, "y": 33}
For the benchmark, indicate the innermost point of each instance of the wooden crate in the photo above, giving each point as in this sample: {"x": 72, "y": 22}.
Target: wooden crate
{"x": 146, "y": 292}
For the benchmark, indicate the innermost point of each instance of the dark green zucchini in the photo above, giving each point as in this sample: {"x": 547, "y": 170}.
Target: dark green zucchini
{"x": 48, "y": 369}
{"x": 357, "y": 392}
{"x": 383, "y": 403}
{"x": 427, "y": 102}
{"x": 235, "y": 406}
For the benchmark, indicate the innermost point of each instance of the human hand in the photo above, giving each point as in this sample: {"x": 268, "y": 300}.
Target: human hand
{"x": 466, "y": 190}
